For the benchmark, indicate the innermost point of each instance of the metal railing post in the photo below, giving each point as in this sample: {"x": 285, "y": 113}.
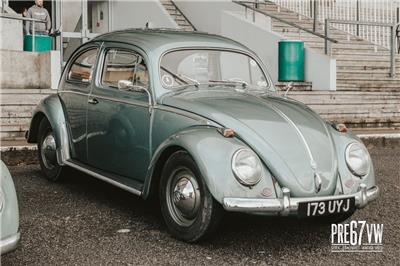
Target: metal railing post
{"x": 358, "y": 16}
{"x": 311, "y": 8}
{"x": 33, "y": 37}
{"x": 392, "y": 51}
{"x": 315, "y": 9}
{"x": 398, "y": 15}
{"x": 327, "y": 43}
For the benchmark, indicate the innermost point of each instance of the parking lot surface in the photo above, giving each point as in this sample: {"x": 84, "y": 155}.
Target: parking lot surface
{"x": 84, "y": 221}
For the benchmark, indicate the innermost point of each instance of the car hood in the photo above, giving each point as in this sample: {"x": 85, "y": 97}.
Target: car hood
{"x": 293, "y": 141}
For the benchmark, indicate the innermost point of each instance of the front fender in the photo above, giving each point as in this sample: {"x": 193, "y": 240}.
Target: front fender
{"x": 50, "y": 108}
{"x": 213, "y": 155}
{"x": 350, "y": 182}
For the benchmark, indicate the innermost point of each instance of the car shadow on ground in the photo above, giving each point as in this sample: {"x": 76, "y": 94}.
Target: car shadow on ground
{"x": 249, "y": 228}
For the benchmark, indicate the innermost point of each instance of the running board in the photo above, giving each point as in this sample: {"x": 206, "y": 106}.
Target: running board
{"x": 129, "y": 185}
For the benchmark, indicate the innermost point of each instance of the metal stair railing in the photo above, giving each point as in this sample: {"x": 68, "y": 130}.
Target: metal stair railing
{"x": 178, "y": 9}
{"x": 393, "y": 27}
{"x": 253, "y": 5}
{"x": 33, "y": 26}
{"x": 380, "y": 11}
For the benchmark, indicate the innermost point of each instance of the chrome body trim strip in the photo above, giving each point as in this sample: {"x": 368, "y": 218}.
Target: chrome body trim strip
{"x": 130, "y": 102}
{"x": 287, "y": 205}
{"x": 104, "y": 178}
{"x": 179, "y": 112}
{"x": 10, "y": 243}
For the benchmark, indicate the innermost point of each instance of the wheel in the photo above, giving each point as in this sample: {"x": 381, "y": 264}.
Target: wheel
{"x": 47, "y": 152}
{"x": 189, "y": 210}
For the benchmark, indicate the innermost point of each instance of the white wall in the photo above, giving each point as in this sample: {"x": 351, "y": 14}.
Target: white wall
{"x": 320, "y": 69}
{"x": 29, "y": 70}
{"x": 228, "y": 19}
{"x": 11, "y": 34}
{"x": 255, "y": 36}
{"x": 71, "y": 13}
{"x": 135, "y": 14}
{"x": 206, "y": 15}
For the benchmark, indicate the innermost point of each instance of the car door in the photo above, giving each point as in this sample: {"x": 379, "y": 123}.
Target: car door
{"x": 74, "y": 91}
{"x": 119, "y": 119}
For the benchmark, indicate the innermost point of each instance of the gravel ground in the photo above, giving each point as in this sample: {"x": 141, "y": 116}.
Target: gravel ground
{"x": 77, "y": 221}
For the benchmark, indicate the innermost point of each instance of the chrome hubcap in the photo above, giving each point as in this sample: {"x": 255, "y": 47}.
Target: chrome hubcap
{"x": 48, "y": 151}
{"x": 183, "y": 197}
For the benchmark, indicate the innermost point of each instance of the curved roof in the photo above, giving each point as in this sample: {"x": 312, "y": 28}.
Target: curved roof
{"x": 164, "y": 39}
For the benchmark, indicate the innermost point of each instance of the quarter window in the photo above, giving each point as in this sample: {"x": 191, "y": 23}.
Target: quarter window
{"x": 124, "y": 65}
{"x": 82, "y": 68}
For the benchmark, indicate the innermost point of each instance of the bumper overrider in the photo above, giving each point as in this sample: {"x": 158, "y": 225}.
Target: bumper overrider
{"x": 9, "y": 243}
{"x": 287, "y": 205}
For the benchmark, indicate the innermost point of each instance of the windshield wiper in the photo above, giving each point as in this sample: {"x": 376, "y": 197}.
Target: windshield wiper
{"x": 196, "y": 83}
{"x": 223, "y": 81}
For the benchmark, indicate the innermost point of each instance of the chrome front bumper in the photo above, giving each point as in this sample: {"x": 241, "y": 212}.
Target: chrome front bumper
{"x": 10, "y": 243}
{"x": 287, "y": 205}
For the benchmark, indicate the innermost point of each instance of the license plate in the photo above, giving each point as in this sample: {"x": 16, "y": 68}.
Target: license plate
{"x": 326, "y": 207}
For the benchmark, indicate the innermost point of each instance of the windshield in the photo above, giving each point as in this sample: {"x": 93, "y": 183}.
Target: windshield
{"x": 185, "y": 68}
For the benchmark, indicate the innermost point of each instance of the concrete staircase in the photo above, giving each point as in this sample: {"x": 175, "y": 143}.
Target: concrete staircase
{"x": 357, "y": 109}
{"x": 366, "y": 95}
{"x": 177, "y": 15}
{"x": 361, "y": 66}
{"x": 16, "y": 108}
{"x": 23, "y": 84}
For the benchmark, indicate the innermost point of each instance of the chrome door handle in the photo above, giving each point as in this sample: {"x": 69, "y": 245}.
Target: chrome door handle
{"x": 93, "y": 101}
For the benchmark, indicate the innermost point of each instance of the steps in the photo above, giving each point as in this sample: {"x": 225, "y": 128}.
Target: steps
{"x": 16, "y": 109}
{"x": 355, "y": 109}
{"x": 177, "y": 15}
{"x": 366, "y": 96}
{"x": 361, "y": 66}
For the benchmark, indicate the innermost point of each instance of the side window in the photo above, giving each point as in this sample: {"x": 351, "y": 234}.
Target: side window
{"x": 81, "y": 69}
{"x": 124, "y": 65}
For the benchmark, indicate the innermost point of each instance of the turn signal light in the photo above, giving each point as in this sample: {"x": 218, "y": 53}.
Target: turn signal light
{"x": 341, "y": 128}
{"x": 226, "y": 132}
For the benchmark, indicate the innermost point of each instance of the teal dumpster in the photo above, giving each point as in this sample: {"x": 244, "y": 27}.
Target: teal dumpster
{"x": 291, "y": 60}
{"x": 42, "y": 43}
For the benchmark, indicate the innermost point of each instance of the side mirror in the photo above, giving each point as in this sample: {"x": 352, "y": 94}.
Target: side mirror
{"x": 125, "y": 84}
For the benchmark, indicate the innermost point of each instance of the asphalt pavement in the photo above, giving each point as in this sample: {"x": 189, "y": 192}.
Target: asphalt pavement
{"x": 84, "y": 221}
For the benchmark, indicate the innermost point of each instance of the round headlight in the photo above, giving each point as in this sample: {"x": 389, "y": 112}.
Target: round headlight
{"x": 357, "y": 159}
{"x": 246, "y": 167}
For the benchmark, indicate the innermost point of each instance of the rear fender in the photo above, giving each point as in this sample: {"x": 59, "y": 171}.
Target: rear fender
{"x": 51, "y": 108}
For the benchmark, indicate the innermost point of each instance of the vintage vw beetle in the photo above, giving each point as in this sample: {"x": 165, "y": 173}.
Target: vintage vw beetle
{"x": 195, "y": 119}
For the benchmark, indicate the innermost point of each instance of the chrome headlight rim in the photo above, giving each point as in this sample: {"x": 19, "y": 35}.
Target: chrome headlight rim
{"x": 237, "y": 175}
{"x": 347, "y": 159}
